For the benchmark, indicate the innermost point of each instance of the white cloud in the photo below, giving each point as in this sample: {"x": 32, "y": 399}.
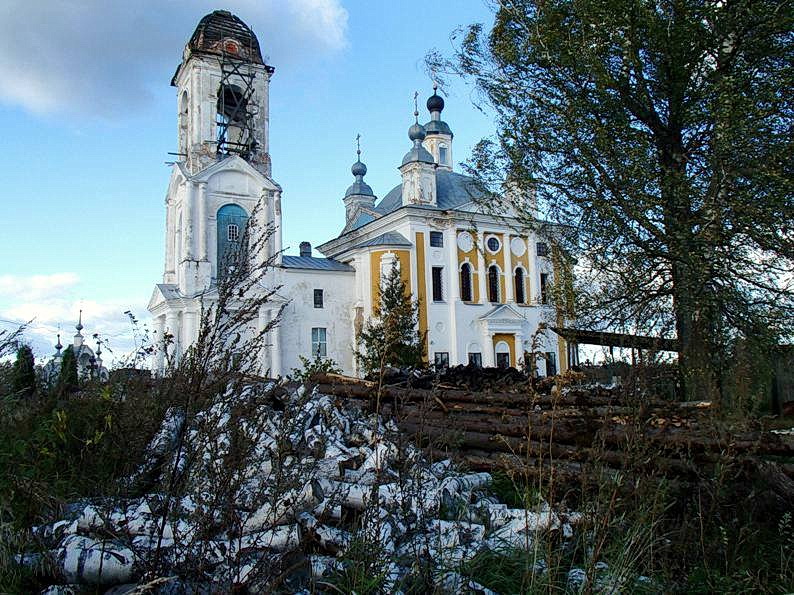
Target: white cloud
{"x": 102, "y": 58}
{"x": 36, "y": 286}
{"x": 52, "y": 305}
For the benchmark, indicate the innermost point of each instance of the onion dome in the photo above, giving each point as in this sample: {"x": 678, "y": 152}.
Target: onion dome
{"x": 359, "y": 170}
{"x": 417, "y": 153}
{"x": 435, "y": 105}
{"x": 435, "y": 102}
{"x": 79, "y": 325}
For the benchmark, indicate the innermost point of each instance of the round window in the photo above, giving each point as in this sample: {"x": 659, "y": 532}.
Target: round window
{"x": 465, "y": 241}
{"x": 493, "y": 244}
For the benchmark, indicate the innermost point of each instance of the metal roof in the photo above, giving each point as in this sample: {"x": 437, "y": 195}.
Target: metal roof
{"x": 391, "y": 238}
{"x": 315, "y": 264}
{"x": 452, "y": 190}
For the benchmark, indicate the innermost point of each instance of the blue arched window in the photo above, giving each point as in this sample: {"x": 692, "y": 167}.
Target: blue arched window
{"x": 231, "y": 221}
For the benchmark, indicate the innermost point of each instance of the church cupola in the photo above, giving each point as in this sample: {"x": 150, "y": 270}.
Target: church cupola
{"x": 418, "y": 168}
{"x": 78, "y": 337}
{"x": 223, "y": 85}
{"x": 359, "y": 196}
{"x": 439, "y": 136}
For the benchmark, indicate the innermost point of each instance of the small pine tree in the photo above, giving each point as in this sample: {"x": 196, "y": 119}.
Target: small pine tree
{"x": 392, "y": 339}
{"x": 68, "y": 380}
{"x": 24, "y": 373}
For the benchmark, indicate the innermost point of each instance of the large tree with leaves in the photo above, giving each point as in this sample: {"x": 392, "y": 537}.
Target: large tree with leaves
{"x": 659, "y": 134}
{"x": 392, "y": 338}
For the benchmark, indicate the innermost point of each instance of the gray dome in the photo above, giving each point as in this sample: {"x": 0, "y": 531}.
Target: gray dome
{"x": 418, "y": 153}
{"x": 437, "y": 127}
{"x": 359, "y": 187}
{"x": 359, "y": 169}
{"x": 417, "y": 132}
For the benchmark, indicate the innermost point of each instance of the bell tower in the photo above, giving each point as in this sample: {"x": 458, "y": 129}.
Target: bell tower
{"x": 222, "y": 95}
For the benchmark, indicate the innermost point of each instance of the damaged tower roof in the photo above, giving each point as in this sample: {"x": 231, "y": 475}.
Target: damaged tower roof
{"x": 223, "y": 34}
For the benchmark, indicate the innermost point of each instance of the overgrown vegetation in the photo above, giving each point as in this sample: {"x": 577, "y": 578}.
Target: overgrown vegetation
{"x": 657, "y": 137}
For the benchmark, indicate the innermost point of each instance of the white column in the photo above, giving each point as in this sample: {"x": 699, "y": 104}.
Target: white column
{"x": 509, "y": 282}
{"x": 264, "y": 356}
{"x": 277, "y": 220}
{"x": 488, "y": 357}
{"x": 202, "y": 221}
{"x": 482, "y": 268}
{"x": 533, "y": 274}
{"x": 172, "y": 329}
{"x": 266, "y": 218}
{"x": 190, "y": 331}
{"x": 189, "y": 238}
{"x": 159, "y": 354}
{"x": 453, "y": 293}
{"x": 275, "y": 349}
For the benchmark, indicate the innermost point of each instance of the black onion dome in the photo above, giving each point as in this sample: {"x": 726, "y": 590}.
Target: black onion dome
{"x": 435, "y": 103}
{"x": 222, "y": 32}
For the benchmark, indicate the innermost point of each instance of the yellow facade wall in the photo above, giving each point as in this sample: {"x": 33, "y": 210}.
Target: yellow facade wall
{"x": 404, "y": 258}
{"x": 523, "y": 261}
{"x": 499, "y": 259}
{"x": 474, "y": 261}
{"x": 510, "y": 339}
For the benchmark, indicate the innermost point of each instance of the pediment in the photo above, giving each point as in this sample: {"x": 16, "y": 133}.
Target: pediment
{"x": 235, "y": 165}
{"x": 163, "y": 292}
{"x": 503, "y": 313}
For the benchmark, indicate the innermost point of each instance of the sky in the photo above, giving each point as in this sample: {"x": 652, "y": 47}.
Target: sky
{"x": 89, "y": 118}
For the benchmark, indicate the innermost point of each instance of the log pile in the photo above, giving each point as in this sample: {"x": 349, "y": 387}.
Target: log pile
{"x": 275, "y": 484}
{"x": 534, "y": 427}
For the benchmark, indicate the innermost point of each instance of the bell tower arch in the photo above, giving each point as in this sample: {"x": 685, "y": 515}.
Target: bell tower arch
{"x": 223, "y": 95}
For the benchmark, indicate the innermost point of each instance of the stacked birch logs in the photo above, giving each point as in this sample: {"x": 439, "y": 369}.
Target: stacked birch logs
{"x": 572, "y": 429}
{"x": 274, "y": 483}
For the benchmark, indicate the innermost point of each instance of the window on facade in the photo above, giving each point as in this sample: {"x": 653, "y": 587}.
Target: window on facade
{"x": 319, "y": 342}
{"x": 230, "y": 247}
{"x": 436, "y": 239}
{"x": 318, "y": 298}
{"x": 551, "y": 363}
{"x": 441, "y": 359}
{"x": 493, "y": 284}
{"x": 544, "y": 288}
{"x": 493, "y": 244}
{"x": 542, "y": 249}
{"x": 475, "y": 359}
{"x": 519, "y": 279}
{"x": 465, "y": 282}
{"x": 438, "y": 288}
{"x": 442, "y": 154}
{"x": 503, "y": 360}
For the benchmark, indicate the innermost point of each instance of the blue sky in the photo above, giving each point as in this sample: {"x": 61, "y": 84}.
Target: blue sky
{"x": 89, "y": 118}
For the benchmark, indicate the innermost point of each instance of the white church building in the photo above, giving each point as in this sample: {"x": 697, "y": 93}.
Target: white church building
{"x": 481, "y": 282}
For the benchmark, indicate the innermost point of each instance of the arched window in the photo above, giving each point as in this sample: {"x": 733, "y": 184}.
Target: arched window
{"x": 520, "y": 292}
{"x": 231, "y": 220}
{"x": 465, "y": 282}
{"x": 493, "y": 284}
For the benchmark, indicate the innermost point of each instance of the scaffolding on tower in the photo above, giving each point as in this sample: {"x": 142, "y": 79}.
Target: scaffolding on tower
{"x": 236, "y": 112}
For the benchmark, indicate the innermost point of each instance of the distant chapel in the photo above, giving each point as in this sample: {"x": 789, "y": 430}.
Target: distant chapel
{"x": 480, "y": 281}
